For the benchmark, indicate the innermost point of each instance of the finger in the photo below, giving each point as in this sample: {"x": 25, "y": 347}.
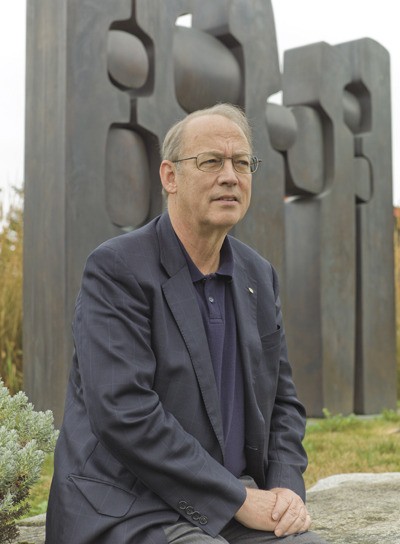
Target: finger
{"x": 307, "y": 520}
{"x": 300, "y": 526}
{"x": 292, "y": 521}
{"x": 307, "y": 523}
{"x": 281, "y": 505}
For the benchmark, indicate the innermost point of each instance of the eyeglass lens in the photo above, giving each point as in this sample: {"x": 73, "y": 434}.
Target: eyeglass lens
{"x": 242, "y": 163}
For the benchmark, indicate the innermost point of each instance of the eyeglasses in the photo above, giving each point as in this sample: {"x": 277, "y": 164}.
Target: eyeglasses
{"x": 212, "y": 162}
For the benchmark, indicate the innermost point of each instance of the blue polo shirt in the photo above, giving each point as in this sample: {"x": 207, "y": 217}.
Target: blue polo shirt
{"x": 215, "y": 301}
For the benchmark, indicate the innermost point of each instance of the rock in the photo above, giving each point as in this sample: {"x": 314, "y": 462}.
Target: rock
{"x": 357, "y": 508}
{"x": 31, "y": 530}
{"x": 346, "y": 509}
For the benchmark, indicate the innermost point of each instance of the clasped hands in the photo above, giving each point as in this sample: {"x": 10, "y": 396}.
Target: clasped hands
{"x": 278, "y": 510}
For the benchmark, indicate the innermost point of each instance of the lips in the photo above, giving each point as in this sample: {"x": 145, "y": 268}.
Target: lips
{"x": 227, "y": 198}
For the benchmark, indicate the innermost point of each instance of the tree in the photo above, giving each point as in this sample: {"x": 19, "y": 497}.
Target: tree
{"x": 11, "y": 245}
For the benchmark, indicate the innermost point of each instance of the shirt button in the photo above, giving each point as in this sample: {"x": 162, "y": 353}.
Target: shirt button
{"x": 211, "y": 299}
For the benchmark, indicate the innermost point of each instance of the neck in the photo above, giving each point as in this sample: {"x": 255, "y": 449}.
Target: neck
{"x": 203, "y": 248}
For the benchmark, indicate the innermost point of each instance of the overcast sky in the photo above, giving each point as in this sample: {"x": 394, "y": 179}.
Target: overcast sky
{"x": 298, "y": 22}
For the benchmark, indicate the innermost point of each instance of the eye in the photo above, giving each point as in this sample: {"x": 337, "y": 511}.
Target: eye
{"x": 244, "y": 159}
{"x": 208, "y": 161}
{"x": 242, "y": 163}
{"x": 211, "y": 161}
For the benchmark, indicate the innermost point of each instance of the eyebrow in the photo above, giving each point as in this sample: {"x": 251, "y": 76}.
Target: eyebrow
{"x": 223, "y": 155}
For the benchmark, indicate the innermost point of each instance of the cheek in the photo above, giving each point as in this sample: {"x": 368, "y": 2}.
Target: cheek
{"x": 247, "y": 195}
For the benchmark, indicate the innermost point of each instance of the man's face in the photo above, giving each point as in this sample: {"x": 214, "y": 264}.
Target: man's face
{"x": 207, "y": 201}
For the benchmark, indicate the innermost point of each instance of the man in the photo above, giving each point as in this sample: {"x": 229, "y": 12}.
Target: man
{"x": 181, "y": 422}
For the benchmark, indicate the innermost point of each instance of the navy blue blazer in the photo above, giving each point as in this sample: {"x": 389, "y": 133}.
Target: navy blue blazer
{"x": 141, "y": 442}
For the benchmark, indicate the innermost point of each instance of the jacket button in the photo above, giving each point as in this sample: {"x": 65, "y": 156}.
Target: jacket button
{"x": 190, "y": 510}
{"x": 182, "y": 505}
{"x": 196, "y": 516}
{"x": 203, "y": 520}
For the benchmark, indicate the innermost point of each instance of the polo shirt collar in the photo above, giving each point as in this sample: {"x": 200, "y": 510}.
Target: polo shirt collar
{"x": 226, "y": 263}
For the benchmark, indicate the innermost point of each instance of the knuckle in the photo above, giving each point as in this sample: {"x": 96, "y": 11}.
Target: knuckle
{"x": 294, "y": 512}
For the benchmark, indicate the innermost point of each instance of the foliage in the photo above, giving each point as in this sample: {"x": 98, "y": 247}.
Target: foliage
{"x": 25, "y": 437}
{"x": 11, "y": 233}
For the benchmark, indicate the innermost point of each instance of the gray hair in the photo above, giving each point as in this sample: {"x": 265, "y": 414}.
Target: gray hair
{"x": 173, "y": 141}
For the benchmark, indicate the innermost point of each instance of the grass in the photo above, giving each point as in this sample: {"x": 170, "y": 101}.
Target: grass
{"x": 397, "y": 292}
{"x": 39, "y": 494}
{"x": 335, "y": 445}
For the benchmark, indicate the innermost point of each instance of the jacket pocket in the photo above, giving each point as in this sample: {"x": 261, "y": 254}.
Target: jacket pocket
{"x": 270, "y": 355}
{"x": 272, "y": 340}
{"x": 105, "y": 498}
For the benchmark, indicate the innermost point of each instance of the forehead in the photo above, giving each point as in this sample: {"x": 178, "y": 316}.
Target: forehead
{"x": 212, "y": 132}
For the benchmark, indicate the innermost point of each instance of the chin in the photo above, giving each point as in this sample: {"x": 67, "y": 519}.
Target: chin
{"x": 226, "y": 222}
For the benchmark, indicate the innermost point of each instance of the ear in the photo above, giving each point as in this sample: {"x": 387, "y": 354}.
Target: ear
{"x": 167, "y": 176}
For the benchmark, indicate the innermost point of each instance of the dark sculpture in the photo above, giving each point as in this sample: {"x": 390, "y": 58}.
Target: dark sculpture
{"x": 343, "y": 314}
{"x": 106, "y": 80}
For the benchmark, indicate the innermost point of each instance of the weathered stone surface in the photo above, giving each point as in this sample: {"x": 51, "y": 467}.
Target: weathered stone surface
{"x": 346, "y": 509}
{"x": 32, "y": 530}
{"x": 357, "y": 508}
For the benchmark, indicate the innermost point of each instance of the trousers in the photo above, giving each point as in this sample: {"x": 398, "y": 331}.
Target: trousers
{"x": 184, "y": 532}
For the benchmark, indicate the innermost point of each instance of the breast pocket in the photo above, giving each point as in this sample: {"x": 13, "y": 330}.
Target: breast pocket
{"x": 267, "y": 373}
{"x": 271, "y": 340}
{"x": 271, "y": 347}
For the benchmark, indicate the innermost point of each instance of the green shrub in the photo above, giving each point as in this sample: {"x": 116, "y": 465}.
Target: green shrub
{"x": 25, "y": 437}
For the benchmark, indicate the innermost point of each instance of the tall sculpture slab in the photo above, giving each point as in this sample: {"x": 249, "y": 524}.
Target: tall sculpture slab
{"x": 375, "y": 332}
{"x": 105, "y": 80}
{"x": 321, "y": 241}
{"x": 70, "y": 106}
{"x": 338, "y": 237}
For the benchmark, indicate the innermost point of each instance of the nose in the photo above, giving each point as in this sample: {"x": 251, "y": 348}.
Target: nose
{"x": 227, "y": 174}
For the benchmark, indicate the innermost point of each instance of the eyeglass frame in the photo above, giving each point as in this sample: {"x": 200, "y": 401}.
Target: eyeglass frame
{"x": 253, "y": 160}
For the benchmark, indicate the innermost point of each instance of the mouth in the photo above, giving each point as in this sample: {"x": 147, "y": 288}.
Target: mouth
{"x": 227, "y": 198}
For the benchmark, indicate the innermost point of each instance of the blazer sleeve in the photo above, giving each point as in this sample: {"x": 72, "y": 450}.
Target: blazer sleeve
{"x": 112, "y": 333}
{"x": 287, "y": 459}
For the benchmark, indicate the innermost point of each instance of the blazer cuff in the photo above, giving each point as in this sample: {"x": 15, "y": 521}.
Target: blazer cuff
{"x": 287, "y": 476}
{"x": 215, "y": 515}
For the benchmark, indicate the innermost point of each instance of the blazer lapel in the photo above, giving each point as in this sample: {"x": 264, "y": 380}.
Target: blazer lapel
{"x": 181, "y": 299}
{"x": 244, "y": 291}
